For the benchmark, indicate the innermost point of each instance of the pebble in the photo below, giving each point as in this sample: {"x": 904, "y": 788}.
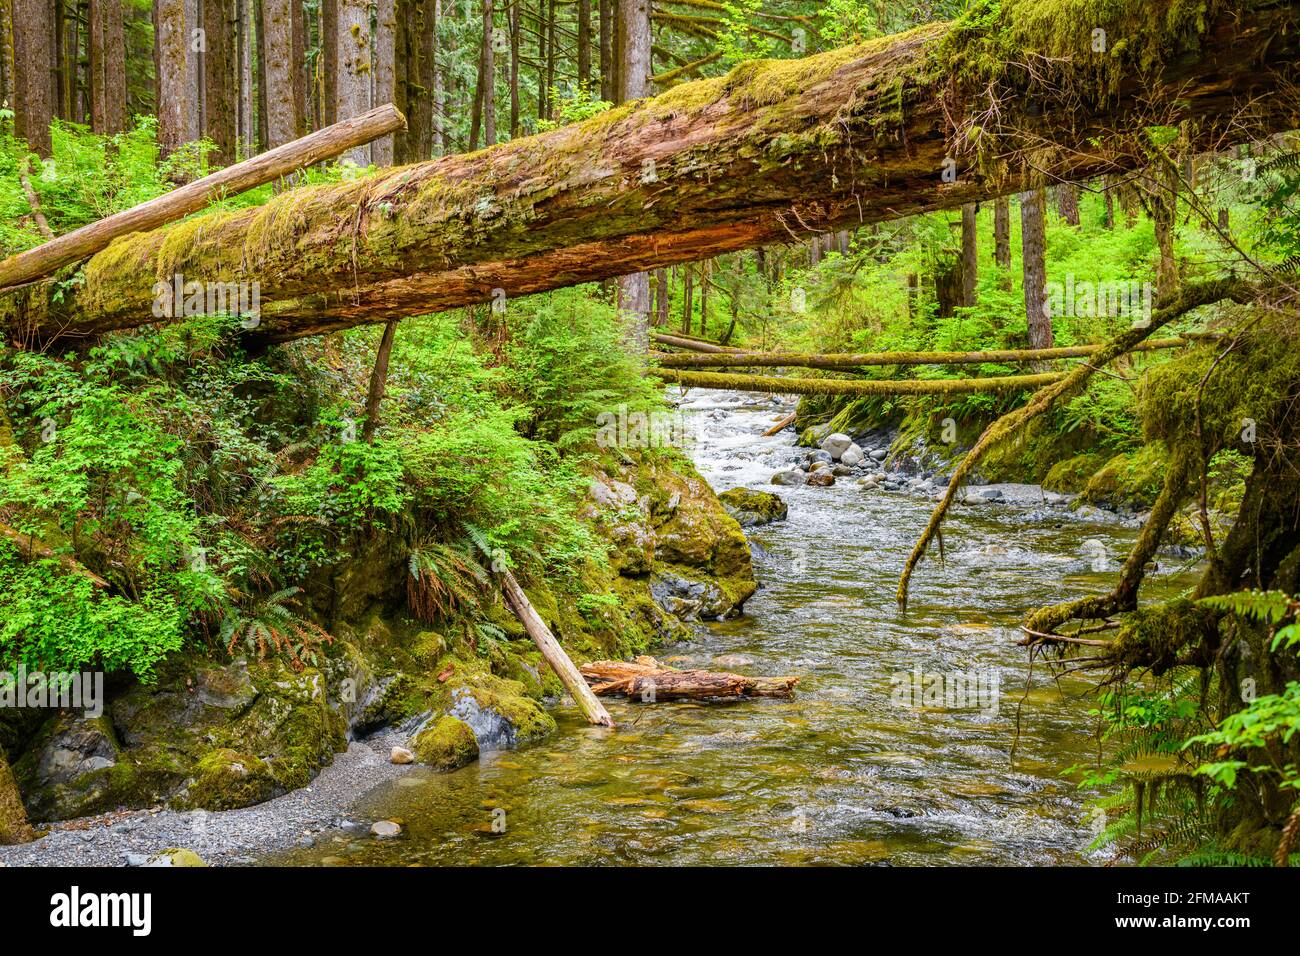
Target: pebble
{"x": 385, "y": 829}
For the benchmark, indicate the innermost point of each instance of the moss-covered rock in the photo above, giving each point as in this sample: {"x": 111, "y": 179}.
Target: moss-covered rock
{"x": 447, "y": 744}
{"x": 227, "y": 780}
{"x": 1071, "y": 475}
{"x": 175, "y": 857}
{"x": 13, "y": 817}
{"x": 753, "y": 508}
{"x": 1129, "y": 479}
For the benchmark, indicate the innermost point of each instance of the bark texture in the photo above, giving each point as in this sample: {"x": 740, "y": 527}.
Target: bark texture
{"x": 773, "y": 151}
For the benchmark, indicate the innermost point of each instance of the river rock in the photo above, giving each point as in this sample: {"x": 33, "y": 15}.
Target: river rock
{"x": 821, "y": 479}
{"x": 878, "y": 454}
{"x": 175, "y": 857}
{"x": 852, "y": 455}
{"x": 385, "y": 829}
{"x": 835, "y": 445}
{"x": 753, "y": 508}
{"x": 447, "y": 744}
{"x": 842, "y": 471}
{"x": 400, "y": 755}
{"x": 789, "y": 476}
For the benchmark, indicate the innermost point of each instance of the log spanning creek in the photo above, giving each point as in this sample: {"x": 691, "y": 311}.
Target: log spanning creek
{"x": 866, "y": 764}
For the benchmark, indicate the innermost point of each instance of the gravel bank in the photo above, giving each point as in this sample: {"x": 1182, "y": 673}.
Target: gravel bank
{"x": 226, "y": 838}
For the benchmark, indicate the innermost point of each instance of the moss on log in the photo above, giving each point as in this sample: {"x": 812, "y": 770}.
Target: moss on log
{"x": 772, "y": 152}
{"x": 843, "y": 360}
{"x": 780, "y": 385}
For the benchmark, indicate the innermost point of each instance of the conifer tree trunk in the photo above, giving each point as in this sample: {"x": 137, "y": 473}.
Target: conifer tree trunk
{"x": 353, "y": 66}
{"x": 35, "y": 49}
{"x": 970, "y": 254}
{"x": 1033, "y": 249}
{"x": 278, "y": 69}
{"x": 1002, "y": 240}
{"x": 634, "y": 33}
{"x": 1067, "y": 198}
{"x": 385, "y": 73}
{"x": 108, "y": 66}
{"x": 177, "y": 78}
{"x": 584, "y": 45}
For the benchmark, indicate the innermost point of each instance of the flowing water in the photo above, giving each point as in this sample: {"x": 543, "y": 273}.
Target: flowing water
{"x": 847, "y": 772}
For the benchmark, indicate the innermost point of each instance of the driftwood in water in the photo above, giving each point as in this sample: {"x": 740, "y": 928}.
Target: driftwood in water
{"x": 787, "y": 420}
{"x": 259, "y": 170}
{"x": 518, "y": 602}
{"x": 649, "y": 681}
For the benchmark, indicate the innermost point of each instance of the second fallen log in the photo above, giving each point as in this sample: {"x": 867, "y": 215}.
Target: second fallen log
{"x": 649, "y": 681}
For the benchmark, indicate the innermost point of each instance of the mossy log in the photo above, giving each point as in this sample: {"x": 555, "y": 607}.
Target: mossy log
{"x": 1067, "y": 386}
{"x": 649, "y": 681}
{"x": 775, "y": 151}
{"x": 842, "y": 360}
{"x": 261, "y": 169}
{"x": 781, "y": 385}
{"x": 691, "y": 343}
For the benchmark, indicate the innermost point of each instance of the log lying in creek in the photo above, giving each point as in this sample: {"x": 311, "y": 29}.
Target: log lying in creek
{"x": 648, "y": 680}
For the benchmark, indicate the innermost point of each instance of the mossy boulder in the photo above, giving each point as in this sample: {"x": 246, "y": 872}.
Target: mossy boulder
{"x": 73, "y": 767}
{"x": 175, "y": 857}
{"x": 227, "y": 780}
{"x": 753, "y": 508}
{"x": 1072, "y": 475}
{"x": 447, "y": 744}
{"x": 1132, "y": 480}
{"x": 13, "y": 817}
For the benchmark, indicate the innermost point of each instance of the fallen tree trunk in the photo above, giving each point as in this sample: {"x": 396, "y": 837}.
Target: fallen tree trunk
{"x": 261, "y": 169}
{"x": 554, "y": 654}
{"x": 837, "y": 360}
{"x": 780, "y": 385}
{"x": 773, "y": 152}
{"x": 690, "y": 343}
{"x": 649, "y": 681}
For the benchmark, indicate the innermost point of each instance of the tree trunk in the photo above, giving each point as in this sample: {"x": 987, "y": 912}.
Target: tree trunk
{"x": 1163, "y": 190}
{"x": 298, "y": 54}
{"x": 1067, "y": 203}
{"x": 584, "y": 45}
{"x": 378, "y": 381}
{"x": 608, "y": 89}
{"x": 649, "y": 681}
{"x": 34, "y": 78}
{"x": 278, "y": 71}
{"x": 688, "y": 297}
{"x": 435, "y": 74}
{"x": 108, "y": 67}
{"x": 515, "y": 40}
{"x": 353, "y": 67}
{"x": 177, "y": 78}
{"x": 487, "y": 76}
{"x": 247, "y": 134}
{"x": 1033, "y": 249}
{"x": 329, "y": 55}
{"x": 219, "y": 66}
{"x": 569, "y": 206}
{"x": 1108, "y": 191}
{"x": 856, "y": 387}
{"x": 634, "y": 290}
{"x": 1002, "y": 232}
{"x": 970, "y": 254}
{"x": 385, "y": 72}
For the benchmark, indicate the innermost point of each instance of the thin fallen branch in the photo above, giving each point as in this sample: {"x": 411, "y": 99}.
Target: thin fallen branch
{"x": 27, "y": 544}
{"x": 788, "y": 420}
{"x": 33, "y": 201}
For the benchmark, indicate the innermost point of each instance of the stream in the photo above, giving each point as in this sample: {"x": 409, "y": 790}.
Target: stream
{"x": 844, "y": 773}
